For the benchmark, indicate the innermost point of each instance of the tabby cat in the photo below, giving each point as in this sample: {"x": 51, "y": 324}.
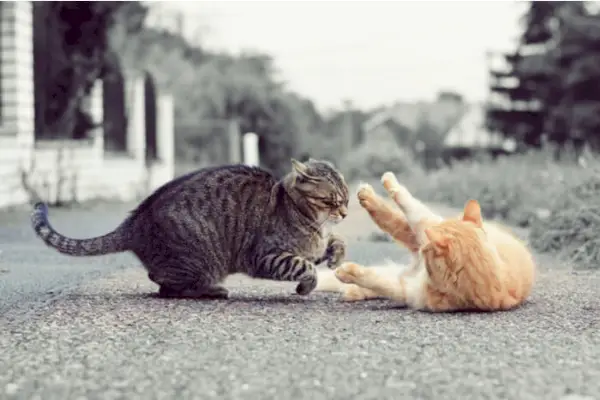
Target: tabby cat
{"x": 458, "y": 264}
{"x": 194, "y": 231}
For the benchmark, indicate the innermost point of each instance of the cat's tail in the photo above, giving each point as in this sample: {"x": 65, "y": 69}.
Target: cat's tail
{"x": 113, "y": 242}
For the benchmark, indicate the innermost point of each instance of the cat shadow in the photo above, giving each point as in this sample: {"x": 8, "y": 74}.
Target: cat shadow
{"x": 262, "y": 299}
{"x": 328, "y": 300}
{"x": 387, "y": 305}
{"x": 318, "y": 300}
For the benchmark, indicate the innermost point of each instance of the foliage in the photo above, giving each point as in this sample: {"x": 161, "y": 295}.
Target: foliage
{"x": 213, "y": 86}
{"x": 330, "y": 136}
{"x": 560, "y": 82}
{"x": 572, "y": 225}
{"x": 70, "y": 53}
{"x": 523, "y": 191}
{"x": 557, "y": 201}
{"x": 376, "y": 155}
{"x": 575, "y": 113}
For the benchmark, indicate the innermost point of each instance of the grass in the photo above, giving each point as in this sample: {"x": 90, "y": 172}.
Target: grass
{"x": 558, "y": 202}
{"x": 518, "y": 189}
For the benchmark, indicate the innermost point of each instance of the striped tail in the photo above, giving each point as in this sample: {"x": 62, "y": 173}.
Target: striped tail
{"x": 113, "y": 242}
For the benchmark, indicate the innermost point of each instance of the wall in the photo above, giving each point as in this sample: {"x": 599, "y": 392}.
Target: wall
{"x": 65, "y": 171}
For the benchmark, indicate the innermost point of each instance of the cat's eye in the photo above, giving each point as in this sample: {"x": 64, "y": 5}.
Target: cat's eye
{"x": 331, "y": 203}
{"x": 334, "y": 202}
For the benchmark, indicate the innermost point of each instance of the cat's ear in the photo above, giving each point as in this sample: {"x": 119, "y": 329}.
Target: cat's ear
{"x": 299, "y": 167}
{"x": 472, "y": 213}
{"x": 437, "y": 238}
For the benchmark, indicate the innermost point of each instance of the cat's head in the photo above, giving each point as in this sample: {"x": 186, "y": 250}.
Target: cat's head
{"x": 454, "y": 244}
{"x": 322, "y": 187}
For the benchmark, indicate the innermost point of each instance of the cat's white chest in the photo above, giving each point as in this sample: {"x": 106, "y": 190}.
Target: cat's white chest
{"x": 322, "y": 245}
{"x": 327, "y": 229}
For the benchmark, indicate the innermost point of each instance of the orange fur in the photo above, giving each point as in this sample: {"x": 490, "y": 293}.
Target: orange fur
{"x": 387, "y": 218}
{"x": 460, "y": 263}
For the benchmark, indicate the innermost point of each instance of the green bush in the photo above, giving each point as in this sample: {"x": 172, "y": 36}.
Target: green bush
{"x": 517, "y": 189}
{"x": 374, "y": 157}
{"x": 558, "y": 201}
{"x": 573, "y": 225}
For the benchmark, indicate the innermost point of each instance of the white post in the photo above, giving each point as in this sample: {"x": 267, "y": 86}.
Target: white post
{"x": 96, "y": 104}
{"x": 233, "y": 132}
{"x": 165, "y": 128}
{"x": 251, "y": 156}
{"x": 136, "y": 126}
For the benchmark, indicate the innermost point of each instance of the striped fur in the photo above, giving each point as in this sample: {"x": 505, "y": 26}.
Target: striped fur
{"x": 194, "y": 231}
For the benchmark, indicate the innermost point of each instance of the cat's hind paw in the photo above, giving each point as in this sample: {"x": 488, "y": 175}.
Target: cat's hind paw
{"x": 349, "y": 272}
{"x": 353, "y": 293}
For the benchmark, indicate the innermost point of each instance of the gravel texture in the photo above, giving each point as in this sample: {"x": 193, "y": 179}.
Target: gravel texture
{"x": 93, "y": 329}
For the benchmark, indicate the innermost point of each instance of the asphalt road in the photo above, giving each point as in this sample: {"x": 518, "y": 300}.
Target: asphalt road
{"x": 92, "y": 329}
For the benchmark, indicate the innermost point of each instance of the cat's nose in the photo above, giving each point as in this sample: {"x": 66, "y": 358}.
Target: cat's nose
{"x": 343, "y": 212}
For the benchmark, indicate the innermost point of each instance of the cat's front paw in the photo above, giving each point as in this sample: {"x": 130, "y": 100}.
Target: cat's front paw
{"x": 306, "y": 286}
{"x": 349, "y": 273}
{"x": 336, "y": 252}
{"x": 365, "y": 195}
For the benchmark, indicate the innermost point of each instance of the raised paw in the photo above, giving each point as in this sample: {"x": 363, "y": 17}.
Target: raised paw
{"x": 394, "y": 188}
{"x": 349, "y": 272}
{"x": 365, "y": 194}
{"x": 390, "y": 182}
{"x": 336, "y": 252}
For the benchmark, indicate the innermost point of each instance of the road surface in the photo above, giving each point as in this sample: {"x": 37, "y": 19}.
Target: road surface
{"x": 92, "y": 329}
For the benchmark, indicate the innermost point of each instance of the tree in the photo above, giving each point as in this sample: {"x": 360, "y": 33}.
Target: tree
{"x": 574, "y": 111}
{"x": 525, "y": 123}
{"x": 212, "y": 88}
{"x": 70, "y": 54}
{"x": 559, "y": 82}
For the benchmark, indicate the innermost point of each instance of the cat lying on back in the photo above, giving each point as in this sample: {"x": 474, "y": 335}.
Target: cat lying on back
{"x": 194, "y": 231}
{"x": 457, "y": 264}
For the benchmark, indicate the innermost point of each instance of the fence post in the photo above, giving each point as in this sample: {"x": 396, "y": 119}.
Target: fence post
{"x": 97, "y": 114}
{"x": 136, "y": 122}
{"x": 165, "y": 137}
{"x": 251, "y": 156}
{"x": 233, "y": 142}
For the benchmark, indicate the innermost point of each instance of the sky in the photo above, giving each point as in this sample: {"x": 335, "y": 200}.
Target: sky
{"x": 371, "y": 53}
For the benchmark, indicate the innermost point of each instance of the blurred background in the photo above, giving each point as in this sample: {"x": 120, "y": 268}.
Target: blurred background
{"x": 498, "y": 101}
{"x": 373, "y": 86}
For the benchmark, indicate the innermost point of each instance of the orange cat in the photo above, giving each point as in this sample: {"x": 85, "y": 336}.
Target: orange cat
{"x": 458, "y": 264}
